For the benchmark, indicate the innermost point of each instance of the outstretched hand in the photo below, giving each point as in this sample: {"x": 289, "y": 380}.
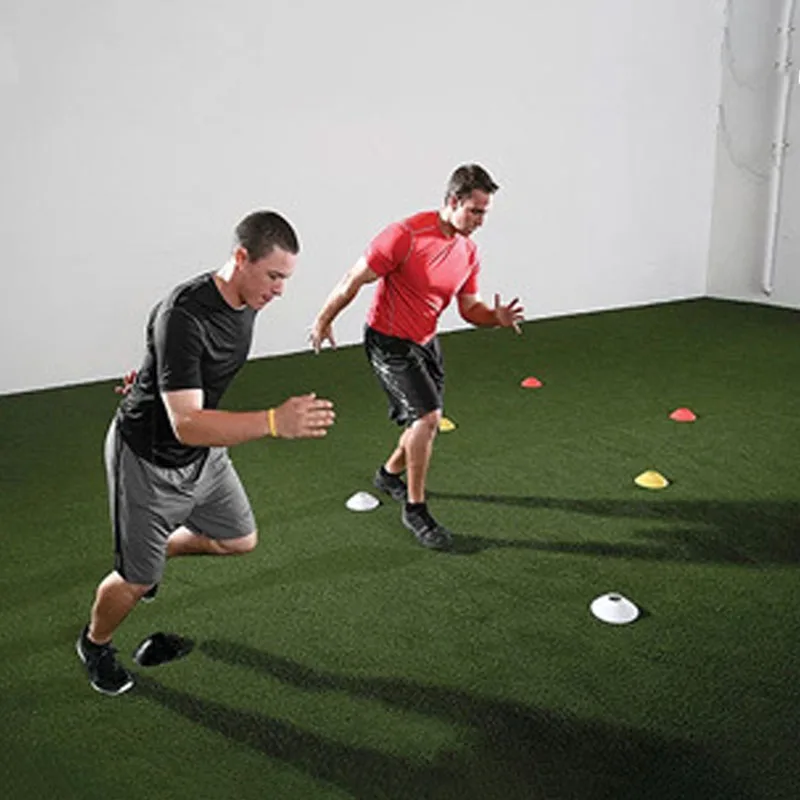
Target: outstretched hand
{"x": 304, "y": 417}
{"x": 319, "y": 333}
{"x": 509, "y": 315}
{"x": 127, "y": 383}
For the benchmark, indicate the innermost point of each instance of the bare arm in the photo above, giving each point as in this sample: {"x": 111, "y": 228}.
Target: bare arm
{"x": 306, "y": 416}
{"x": 476, "y": 312}
{"x": 342, "y": 295}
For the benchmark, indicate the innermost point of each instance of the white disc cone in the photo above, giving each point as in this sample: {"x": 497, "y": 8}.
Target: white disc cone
{"x": 614, "y": 608}
{"x": 362, "y": 501}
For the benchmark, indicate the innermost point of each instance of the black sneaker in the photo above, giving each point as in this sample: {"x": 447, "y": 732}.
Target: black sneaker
{"x": 150, "y": 594}
{"x": 161, "y": 648}
{"x": 428, "y": 531}
{"x": 106, "y": 674}
{"x": 393, "y": 485}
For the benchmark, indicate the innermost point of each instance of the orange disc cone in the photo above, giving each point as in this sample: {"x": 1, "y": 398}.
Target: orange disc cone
{"x": 683, "y": 415}
{"x": 531, "y": 383}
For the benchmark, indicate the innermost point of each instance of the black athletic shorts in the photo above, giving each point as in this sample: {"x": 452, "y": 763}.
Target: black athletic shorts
{"x": 412, "y": 375}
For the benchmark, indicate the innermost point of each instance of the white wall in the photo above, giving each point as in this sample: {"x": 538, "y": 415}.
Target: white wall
{"x": 746, "y": 134}
{"x": 136, "y": 134}
{"x": 786, "y": 290}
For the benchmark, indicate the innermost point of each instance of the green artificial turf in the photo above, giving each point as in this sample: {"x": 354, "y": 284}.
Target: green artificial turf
{"x": 343, "y": 660}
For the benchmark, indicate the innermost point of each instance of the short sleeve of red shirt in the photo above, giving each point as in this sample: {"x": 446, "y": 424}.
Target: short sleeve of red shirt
{"x": 389, "y": 249}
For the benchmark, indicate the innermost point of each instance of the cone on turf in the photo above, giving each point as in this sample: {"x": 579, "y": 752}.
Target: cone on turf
{"x": 362, "y": 501}
{"x": 531, "y": 383}
{"x": 446, "y": 425}
{"x": 651, "y": 479}
{"x": 614, "y": 608}
{"x": 683, "y": 415}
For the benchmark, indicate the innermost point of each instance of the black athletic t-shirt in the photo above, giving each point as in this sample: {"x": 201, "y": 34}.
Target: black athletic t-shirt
{"x": 195, "y": 340}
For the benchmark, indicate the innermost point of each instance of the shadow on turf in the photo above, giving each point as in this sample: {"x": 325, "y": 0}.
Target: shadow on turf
{"x": 509, "y": 751}
{"x": 743, "y": 532}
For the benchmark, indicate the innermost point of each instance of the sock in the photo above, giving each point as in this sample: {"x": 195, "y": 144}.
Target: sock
{"x": 412, "y": 507}
{"x": 386, "y": 474}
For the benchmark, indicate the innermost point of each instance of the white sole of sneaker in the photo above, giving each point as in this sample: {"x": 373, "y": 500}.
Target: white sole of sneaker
{"x": 125, "y": 688}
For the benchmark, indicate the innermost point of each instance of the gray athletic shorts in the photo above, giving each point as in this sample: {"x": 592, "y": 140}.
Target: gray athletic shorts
{"x": 147, "y": 503}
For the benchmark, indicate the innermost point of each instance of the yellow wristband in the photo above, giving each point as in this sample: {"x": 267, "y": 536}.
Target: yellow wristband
{"x": 273, "y": 431}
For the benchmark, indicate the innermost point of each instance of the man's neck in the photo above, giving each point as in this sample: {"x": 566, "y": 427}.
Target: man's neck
{"x": 445, "y": 226}
{"x": 223, "y": 280}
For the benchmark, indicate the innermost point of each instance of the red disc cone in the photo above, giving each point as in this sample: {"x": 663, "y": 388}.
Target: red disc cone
{"x": 683, "y": 415}
{"x": 531, "y": 383}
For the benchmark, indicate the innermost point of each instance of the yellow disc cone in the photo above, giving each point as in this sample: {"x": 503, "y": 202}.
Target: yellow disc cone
{"x": 651, "y": 480}
{"x": 446, "y": 425}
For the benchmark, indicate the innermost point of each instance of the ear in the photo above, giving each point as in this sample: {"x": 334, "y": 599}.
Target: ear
{"x": 240, "y": 256}
{"x": 453, "y": 202}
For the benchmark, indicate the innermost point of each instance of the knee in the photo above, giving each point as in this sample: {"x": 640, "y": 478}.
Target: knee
{"x": 240, "y": 546}
{"x": 429, "y": 423}
{"x": 141, "y": 589}
{"x": 115, "y": 584}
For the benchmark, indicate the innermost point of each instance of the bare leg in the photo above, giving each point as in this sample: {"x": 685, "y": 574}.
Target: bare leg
{"x": 183, "y": 542}
{"x": 115, "y": 597}
{"x": 114, "y": 600}
{"x": 396, "y": 463}
{"x": 414, "y": 451}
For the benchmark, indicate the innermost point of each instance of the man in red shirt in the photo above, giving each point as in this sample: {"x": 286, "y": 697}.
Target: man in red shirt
{"x": 421, "y": 263}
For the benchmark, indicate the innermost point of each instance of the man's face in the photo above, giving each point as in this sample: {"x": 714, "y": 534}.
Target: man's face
{"x": 468, "y": 213}
{"x": 261, "y": 280}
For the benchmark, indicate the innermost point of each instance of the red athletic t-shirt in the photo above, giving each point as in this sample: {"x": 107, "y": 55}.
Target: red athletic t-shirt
{"x": 421, "y": 270}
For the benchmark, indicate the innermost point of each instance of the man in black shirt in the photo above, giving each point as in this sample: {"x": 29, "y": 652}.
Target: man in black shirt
{"x": 172, "y": 487}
